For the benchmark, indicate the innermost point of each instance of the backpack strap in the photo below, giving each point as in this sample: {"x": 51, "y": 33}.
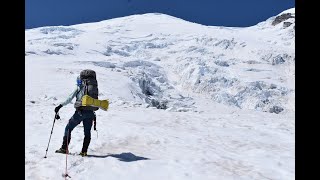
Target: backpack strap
{"x": 86, "y": 87}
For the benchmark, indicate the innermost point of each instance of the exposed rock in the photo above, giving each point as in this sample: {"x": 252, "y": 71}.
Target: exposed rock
{"x": 276, "y": 109}
{"x": 282, "y": 18}
{"x": 286, "y": 24}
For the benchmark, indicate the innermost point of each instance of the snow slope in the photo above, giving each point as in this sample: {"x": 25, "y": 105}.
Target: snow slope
{"x": 187, "y": 101}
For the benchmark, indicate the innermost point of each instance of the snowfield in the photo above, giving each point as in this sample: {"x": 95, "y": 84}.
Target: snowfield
{"x": 187, "y": 101}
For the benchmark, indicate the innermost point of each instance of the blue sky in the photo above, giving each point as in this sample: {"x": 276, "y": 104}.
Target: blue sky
{"x": 232, "y": 13}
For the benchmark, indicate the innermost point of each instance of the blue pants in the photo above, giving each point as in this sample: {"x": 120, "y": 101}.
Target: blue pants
{"x": 86, "y": 117}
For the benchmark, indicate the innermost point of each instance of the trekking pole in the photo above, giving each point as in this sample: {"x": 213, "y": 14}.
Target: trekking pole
{"x": 55, "y": 117}
{"x": 67, "y": 152}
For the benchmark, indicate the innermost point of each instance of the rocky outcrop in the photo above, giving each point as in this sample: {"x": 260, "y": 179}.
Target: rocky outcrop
{"x": 282, "y": 18}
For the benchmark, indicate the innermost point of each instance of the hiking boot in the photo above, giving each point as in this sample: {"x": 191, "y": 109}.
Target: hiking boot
{"x": 83, "y": 154}
{"x": 61, "y": 150}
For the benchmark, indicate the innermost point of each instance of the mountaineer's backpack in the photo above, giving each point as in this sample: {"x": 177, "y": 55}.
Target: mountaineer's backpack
{"x": 89, "y": 86}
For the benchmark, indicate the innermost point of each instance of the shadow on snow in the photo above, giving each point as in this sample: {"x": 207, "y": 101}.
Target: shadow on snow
{"x": 127, "y": 157}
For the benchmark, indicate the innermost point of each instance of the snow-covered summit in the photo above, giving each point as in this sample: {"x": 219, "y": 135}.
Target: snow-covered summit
{"x": 245, "y": 67}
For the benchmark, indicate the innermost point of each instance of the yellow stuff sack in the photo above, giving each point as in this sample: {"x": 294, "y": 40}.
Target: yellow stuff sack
{"x": 89, "y": 101}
